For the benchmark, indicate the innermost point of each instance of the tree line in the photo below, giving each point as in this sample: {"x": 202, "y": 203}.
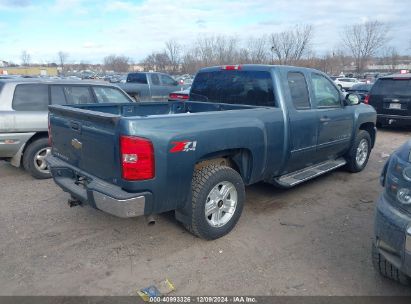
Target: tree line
{"x": 294, "y": 46}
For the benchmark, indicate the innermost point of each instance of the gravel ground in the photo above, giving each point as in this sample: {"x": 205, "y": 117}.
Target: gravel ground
{"x": 310, "y": 240}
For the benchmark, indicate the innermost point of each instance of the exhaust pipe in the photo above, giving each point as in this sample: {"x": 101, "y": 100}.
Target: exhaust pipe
{"x": 151, "y": 220}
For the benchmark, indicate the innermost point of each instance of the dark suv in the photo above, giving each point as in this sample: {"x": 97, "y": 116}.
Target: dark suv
{"x": 391, "y": 98}
{"x": 391, "y": 249}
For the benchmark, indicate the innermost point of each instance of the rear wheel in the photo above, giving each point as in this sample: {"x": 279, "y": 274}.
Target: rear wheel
{"x": 218, "y": 197}
{"x": 34, "y": 158}
{"x": 386, "y": 269}
{"x": 357, "y": 157}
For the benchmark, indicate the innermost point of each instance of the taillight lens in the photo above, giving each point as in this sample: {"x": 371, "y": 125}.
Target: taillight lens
{"x": 176, "y": 96}
{"x": 137, "y": 158}
{"x": 49, "y": 131}
{"x": 367, "y": 99}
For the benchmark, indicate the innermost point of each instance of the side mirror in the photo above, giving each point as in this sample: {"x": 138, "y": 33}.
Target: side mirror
{"x": 352, "y": 99}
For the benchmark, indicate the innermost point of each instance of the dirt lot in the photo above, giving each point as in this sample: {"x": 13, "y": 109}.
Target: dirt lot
{"x": 310, "y": 240}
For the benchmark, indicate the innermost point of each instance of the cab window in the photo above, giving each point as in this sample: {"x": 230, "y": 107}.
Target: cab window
{"x": 326, "y": 95}
{"x": 167, "y": 80}
{"x": 298, "y": 90}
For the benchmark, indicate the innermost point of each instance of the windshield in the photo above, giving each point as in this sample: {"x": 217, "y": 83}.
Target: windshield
{"x": 361, "y": 87}
{"x": 391, "y": 86}
{"x": 234, "y": 87}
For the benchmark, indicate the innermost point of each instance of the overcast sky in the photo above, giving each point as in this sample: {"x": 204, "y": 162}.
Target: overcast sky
{"x": 89, "y": 30}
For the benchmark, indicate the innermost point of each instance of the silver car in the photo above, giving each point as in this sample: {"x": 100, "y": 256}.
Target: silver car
{"x": 23, "y": 116}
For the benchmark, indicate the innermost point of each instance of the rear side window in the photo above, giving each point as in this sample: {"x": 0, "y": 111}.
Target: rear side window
{"x": 387, "y": 86}
{"x": 137, "y": 78}
{"x": 57, "y": 95}
{"x": 31, "y": 97}
{"x": 167, "y": 80}
{"x": 78, "y": 95}
{"x": 298, "y": 90}
{"x": 234, "y": 87}
{"x": 111, "y": 95}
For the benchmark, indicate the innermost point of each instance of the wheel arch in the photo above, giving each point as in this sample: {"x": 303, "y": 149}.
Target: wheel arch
{"x": 240, "y": 160}
{"x": 370, "y": 128}
{"x": 38, "y": 135}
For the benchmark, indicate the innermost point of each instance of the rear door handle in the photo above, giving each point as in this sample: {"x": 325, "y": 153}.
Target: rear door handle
{"x": 325, "y": 119}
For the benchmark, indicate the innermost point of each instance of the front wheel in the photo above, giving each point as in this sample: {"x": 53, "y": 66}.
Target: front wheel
{"x": 218, "y": 197}
{"x": 357, "y": 157}
{"x": 386, "y": 269}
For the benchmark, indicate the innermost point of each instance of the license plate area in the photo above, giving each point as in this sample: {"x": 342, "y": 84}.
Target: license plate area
{"x": 394, "y": 106}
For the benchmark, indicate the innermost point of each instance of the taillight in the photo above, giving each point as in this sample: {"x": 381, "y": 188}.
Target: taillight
{"x": 231, "y": 67}
{"x": 178, "y": 96}
{"x": 50, "y": 136}
{"x": 137, "y": 158}
{"x": 367, "y": 99}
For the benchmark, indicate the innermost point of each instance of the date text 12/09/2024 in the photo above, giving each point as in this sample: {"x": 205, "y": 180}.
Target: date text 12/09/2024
{"x": 203, "y": 299}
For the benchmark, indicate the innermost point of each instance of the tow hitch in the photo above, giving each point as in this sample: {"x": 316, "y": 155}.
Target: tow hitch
{"x": 73, "y": 202}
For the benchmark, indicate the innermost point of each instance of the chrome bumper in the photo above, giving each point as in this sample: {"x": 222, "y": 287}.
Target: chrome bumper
{"x": 96, "y": 192}
{"x": 120, "y": 207}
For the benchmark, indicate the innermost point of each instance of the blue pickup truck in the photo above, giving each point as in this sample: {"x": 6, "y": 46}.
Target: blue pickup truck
{"x": 243, "y": 124}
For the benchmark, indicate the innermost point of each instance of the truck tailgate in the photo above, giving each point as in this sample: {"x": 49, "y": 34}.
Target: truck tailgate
{"x": 86, "y": 140}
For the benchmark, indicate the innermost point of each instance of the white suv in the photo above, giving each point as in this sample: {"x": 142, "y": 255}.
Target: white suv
{"x": 345, "y": 82}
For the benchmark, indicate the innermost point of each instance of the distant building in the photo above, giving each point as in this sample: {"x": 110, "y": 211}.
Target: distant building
{"x": 32, "y": 71}
{"x": 136, "y": 68}
{"x": 3, "y": 63}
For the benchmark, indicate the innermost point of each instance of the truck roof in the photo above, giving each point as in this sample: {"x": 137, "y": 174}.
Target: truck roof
{"x": 253, "y": 67}
{"x": 52, "y": 81}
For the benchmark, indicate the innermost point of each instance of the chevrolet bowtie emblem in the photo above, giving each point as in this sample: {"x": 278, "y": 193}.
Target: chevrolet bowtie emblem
{"x": 76, "y": 143}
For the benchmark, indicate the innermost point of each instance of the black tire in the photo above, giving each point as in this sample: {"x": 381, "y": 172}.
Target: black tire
{"x": 204, "y": 180}
{"x": 351, "y": 157}
{"x": 386, "y": 269}
{"x": 29, "y": 158}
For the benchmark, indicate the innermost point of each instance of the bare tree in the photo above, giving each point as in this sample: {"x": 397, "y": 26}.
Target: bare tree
{"x": 173, "y": 50}
{"x": 25, "y": 58}
{"x": 117, "y": 63}
{"x": 157, "y": 62}
{"x": 364, "y": 40}
{"x": 257, "y": 49}
{"x": 290, "y": 46}
{"x": 62, "y": 57}
{"x": 390, "y": 57}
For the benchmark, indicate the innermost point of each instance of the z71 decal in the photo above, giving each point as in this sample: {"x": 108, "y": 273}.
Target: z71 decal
{"x": 183, "y": 146}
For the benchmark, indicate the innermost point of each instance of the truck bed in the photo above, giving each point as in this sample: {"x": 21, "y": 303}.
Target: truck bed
{"x": 146, "y": 109}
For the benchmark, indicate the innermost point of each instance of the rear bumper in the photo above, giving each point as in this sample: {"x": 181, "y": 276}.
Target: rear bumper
{"x": 393, "y": 234}
{"x": 11, "y": 143}
{"x": 393, "y": 119}
{"x": 97, "y": 193}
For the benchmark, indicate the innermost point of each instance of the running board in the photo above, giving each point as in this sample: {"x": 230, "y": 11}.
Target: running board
{"x": 297, "y": 177}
